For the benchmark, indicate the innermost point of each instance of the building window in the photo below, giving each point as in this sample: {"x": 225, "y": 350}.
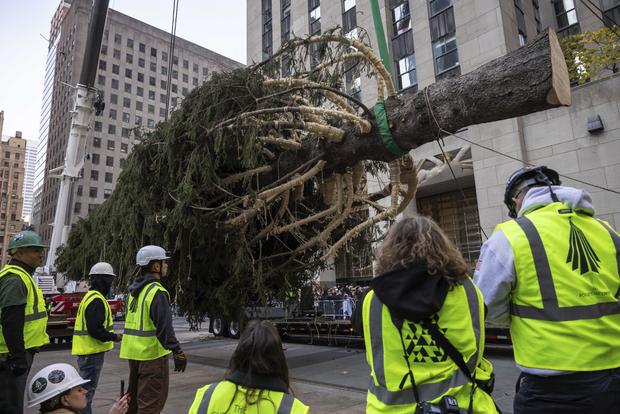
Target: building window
{"x": 124, "y": 147}
{"x": 162, "y": 98}
{"x": 151, "y": 109}
{"x": 267, "y": 31}
{"x": 111, "y": 129}
{"x": 314, "y": 16}
{"x": 407, "y": 72}
{"x": 164, "y": 56}
{"x": 164, "y": 70}
{"x": 611, "y": 12}
{"x": 139, "y": 106}
{"x": 175, "y": 60}
{"x": 127, "y": 87}
{"x": 126, "y": 114}
{"x": 111, "y": 145}
{"x": 79, "y": 190}
{"x": 130, "y": 43}
{"x": 102, "y": 64}
{"x": 116, "y": 54}
{"x": 128, "y": 73}
{"x": 115, "y": 69}
{"x": 163, "y": 84}
{"x": 150, "y": 123}
{"x": 349, "y": 16}
{"x": 174, "y": 88}
{"x": 138, "y": 120}
{"x": 129, "y": 58}
{"x": 114, "y": 84}
{"x": 162, "y": 112}
{"x": 185, "y": 77}
{"x": 175, "y": 74}
{"x": 195, "y": 67}
{"x": 153, "y": 66}
{"x": 566, "y": 17}
{"x": 142, "y": 47}
{"x": 152, "y": 81}
{"x": 140, "y": 77}
{"x": 104, "y": 50}
{"x": 91, "y": 207}
{"x": 402, "y": 44}
{"x": 107, "y": 193}
{"x": 401, "y": 17}
{"x": 112, "y": 113}
{"x": 184, "y": 91}
{"x": 185, "y": 64}
{"x": 285, "y": 20}
{"x": 77, "y": 208}
{"x": 141, "y": 62}
{"x": 95, "y": 159}
{"x": 101, "y": 80}
{"x": 109, "y": 161}
{"x": 140, "y": 91}
{"x": 521, "y": 22}
{"x": 108, "y": 177}
{"x": 92, "y": 192}
{"x": 97, "y": 142}
{"x": 117, "y": 38}
{"x": 94, "y": 175}
{"x": 113, "y": 98}
{"x": 443, "y": 37}
{"x": 125, "y": 132}
{"x": 153, "y": 52}
{"x": 98, "y": 126}
{"x": 205, "y": 71}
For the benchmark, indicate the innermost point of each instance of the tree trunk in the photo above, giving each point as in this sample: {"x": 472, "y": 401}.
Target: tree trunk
{"x": 530, "y": 79}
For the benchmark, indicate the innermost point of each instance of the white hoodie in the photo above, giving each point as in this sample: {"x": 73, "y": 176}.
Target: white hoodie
{"x": 495, "y": 273}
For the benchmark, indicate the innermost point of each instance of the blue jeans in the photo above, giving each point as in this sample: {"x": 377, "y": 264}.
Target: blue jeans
{"x": 90, "y": 368}
{"x": 579, "y": 393}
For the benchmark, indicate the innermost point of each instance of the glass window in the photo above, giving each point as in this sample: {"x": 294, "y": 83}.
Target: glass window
{"x": 108, "y": 177}
{"x": 112, "y": 113}
{"x": 611, "y": 11}
{"x": 401, "y": 16}
{"x": 138, "y": 106}
{"x": 124, "y": 147}
{"x": 113, "y": 98}
{"x": 126, "y": 117}
{"x": 185, "y": 64}
{"x": 130, "y": 43}
{"x": 98, "y": 126}
{"x": 77, "y": 208}
{"x": 140, "y": 91}
{"x": 566, "y": 16}
{"x": 92, "y": 192}
{"x": 111, "y": 129}
{"x": 141, "y": 62}
{"x": 116, "y": 54}
{"x": 115, "y": 69}
{"x": 104, "y": 50}
{"x": 153, "y": 67}
{"x": 175, "y": 60}
{"x": 114, "y": 84}
{"x": 94, "y": 175}
{"x": 138, "y": 120}
{"x": 101, "y": 80}
{"x": 348, "y": 4}
{"x": 205, "y": 71}
{"x": 150, "y": 123}
{"x": 162, "y": 98}
{"x": 97, "y": 142}
{"x": 195, "y": 81}
{"x": 95, "y": 159}
{"x": 117, "y": 38}
{"x": 102, "y": 64}
{"x": 175, "y": 74}
{"x": 407, "y": 72}
{"x": 109, "y": 161}
{"x": 111, "y": 145}
{"x": 151, "y": 109}
{"x": 129, "y": 58}
{"x": 152, "y": 95}
{"x": 140, "y": 77}
{"x": 446, "y": 55}
{"x": 128, "y": 73}
{"x": 164, "y": 70}
{"x": 127, "y": 87}
{"x": 437, "y": 6}
{"x": 125, "y": 133}
{"x": 195, "y": 67}
{"x": 163, "y": 84}
{"x": 142, "y": 47}
{"x": 185, "y": 77}
{"x": 162, "y": 112}
{"x": 164, "y": 56}
{"x": 153, "y": 52}
{"x": 152, "y": 80}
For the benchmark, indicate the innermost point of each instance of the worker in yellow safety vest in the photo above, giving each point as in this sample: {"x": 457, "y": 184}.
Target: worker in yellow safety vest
{"x": 423, "y": 327}
{"x": 93, "y": 332}
{"x": 257, "y": 381}
{"x": 23, "y": 318}
{"x": 552, "y": 273}
{"x": 148, "y": 337}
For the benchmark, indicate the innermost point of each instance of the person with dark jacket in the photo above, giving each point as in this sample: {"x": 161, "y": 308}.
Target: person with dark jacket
{"x": 93, "y": 334}
{"x": 23, "y": 318}
{"x": 149, "y": 337}
{"x": 423, "y": 326}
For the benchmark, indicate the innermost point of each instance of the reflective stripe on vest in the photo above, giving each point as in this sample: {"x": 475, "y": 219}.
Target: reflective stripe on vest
{"x": 285, "y": 407}
{"x": 551, "y": 310}
{"x": 83, "y": 343}
{"x": 427, "y": 391}
{"x": 140, "y": 340}
{"x": 35, "y": 314}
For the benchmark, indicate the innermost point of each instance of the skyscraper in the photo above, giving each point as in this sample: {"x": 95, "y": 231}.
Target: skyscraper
{"x": 133, "y": 77}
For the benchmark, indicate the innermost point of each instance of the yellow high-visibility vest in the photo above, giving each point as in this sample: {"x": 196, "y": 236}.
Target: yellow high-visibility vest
{"x": 565, "y": 313}
{"x": 140, "y": 341}
{"x": 83, "y": 343}
{"x": 218, "y": 397}
{"x": 35, "y": 326}
{"x": 461, "y": 319}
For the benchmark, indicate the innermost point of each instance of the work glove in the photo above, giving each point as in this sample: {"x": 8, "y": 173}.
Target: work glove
{"x": 17, "y": 364}
{"x": 180, "y": 361}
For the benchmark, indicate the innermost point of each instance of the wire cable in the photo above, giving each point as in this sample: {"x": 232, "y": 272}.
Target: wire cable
{"x": 173, "y": 35}
{"x": 588, "y": 4}
{"x": 506, "y": 155}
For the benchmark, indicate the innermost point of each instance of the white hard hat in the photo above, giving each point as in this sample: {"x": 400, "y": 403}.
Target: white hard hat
{"x": 149, "y": 253}
{"x": 102, "y": 268}
{"x": 51, "y": 381}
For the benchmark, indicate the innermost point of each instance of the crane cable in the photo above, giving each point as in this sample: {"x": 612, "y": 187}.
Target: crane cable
{"x": 173, "y": 36}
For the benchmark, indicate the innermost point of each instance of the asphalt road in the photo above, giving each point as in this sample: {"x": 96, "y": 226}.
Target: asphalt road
{"x": 329, "y": 379}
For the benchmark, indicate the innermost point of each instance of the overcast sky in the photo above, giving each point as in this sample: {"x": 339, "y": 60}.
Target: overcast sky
{"x": 219, "y": 25}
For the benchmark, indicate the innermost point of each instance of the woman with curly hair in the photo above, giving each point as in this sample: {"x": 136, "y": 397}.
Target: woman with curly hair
{"x": 257, "y": 381}
{"x": 423, "y": 326}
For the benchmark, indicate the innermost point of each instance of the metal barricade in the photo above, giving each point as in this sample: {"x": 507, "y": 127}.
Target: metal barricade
{"x": 335, "y": 308}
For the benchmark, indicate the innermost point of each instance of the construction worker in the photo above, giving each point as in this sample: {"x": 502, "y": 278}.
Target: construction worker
{"x": 149, "y": 336}
{"x": 552, "y": 274}
{"x": 257, "y": 381}
{"x": 93, "y": 334}
{"x": 423, "y": 327}
{"x": 23, "y": 318}
{"x": 59, "y": 389}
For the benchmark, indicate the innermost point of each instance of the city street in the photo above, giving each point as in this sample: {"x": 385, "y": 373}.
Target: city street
{"x": 328, "y": 379}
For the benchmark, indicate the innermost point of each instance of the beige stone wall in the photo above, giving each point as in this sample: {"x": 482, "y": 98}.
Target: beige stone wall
{"x": 12, "y": 155}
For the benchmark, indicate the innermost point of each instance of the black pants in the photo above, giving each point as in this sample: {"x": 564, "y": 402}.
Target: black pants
{"x": 12, "y": 388}
{"x": 580, "y": 393}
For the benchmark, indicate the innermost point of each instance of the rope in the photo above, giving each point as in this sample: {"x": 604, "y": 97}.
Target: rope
{"x": 384, "y": 130}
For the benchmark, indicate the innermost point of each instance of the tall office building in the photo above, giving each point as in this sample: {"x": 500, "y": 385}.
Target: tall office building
{"x": 30, "y": 161}
{"x": 133, "y": 78}
{"x": 430, "y": 40}
{"x": 11, "y": 188}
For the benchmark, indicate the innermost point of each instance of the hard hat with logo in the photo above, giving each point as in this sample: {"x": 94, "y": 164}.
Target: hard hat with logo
{"x": 147, "y": 254}
{"x": 26, "y": 238}
{"x": 525, "y": 178}
{"x": 102, "y": 268}
{"x": 51, "y": 381}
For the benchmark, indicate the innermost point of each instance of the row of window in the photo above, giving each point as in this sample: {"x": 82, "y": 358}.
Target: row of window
{"x": 153, "y": 67}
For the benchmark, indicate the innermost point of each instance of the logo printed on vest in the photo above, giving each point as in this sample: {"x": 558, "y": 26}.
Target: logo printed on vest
{"x": 580, "y": 251}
